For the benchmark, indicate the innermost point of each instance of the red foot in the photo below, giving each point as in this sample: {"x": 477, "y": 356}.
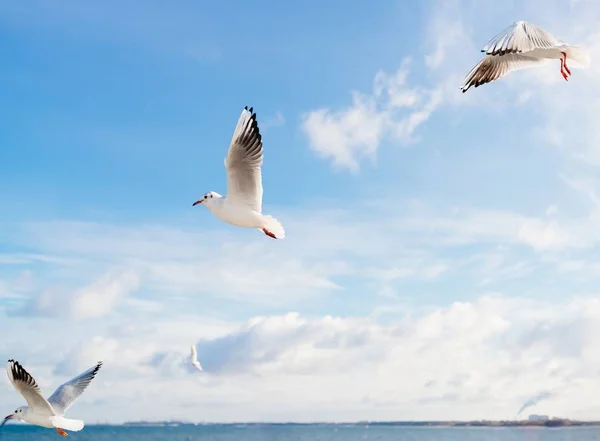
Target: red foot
{"x": 61, "y": 432}
{"x": 564, "y": 75}
{"x": 268, "y": 233}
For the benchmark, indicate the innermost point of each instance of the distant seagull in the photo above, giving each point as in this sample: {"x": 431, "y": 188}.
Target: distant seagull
{"x": 242, "y": 206}
{"x": 48, "y": 413}
{"x": 194, "y": 359}
{"x": 521, "y": 46}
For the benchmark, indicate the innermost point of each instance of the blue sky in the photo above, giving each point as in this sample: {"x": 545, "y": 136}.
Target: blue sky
{"x": 421, "y": 223}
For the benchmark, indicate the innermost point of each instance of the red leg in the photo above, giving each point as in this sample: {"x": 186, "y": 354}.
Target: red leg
{"x": 565, "y": 63}
{"x": 562, "y": 70}
{"x": 61, "y": 432}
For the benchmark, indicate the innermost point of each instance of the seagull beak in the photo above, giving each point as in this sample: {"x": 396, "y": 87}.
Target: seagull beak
{"x": 12, "y": 415}
{"x": 197, "y": 202}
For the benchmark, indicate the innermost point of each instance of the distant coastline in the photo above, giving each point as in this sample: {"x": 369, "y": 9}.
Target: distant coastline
{"x": 554, "y": 422}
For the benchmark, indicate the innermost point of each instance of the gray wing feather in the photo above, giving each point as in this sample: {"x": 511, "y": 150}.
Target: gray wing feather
{"x": 493, "y": 67}
{"x": 68, "y": 392}
{"x": 243, "y": 163}
{"x": 518, "y": 38}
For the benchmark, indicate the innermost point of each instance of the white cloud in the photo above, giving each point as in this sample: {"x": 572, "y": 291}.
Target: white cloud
{"x": 393, "y": 109}
{"x": 99, "y": 298}
{"x": 346, "y": 134}
{"x": 478, "y": 359}
{"x": 95, "y": 300}
{"x": 543, "y": 235}
{"x": 326, "y": 254}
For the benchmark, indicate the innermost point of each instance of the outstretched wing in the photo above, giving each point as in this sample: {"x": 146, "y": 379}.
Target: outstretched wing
{"x": 27, "y": 386}
{"x": 194, "y": 358}
{"x": 68, "y": 392}
{"x": 493, "y": 67}
{"x": 518, "y": 38}
{"x": 243, "y": 162}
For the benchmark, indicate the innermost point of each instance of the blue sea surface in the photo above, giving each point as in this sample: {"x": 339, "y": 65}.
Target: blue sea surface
{"x": 302, "y": 433}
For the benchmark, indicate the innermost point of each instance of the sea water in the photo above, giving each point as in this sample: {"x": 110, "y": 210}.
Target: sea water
{"x": 302, "y": 433}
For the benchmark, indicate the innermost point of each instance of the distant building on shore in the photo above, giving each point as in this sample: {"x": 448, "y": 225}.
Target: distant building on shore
{"x": 538, "y": 418}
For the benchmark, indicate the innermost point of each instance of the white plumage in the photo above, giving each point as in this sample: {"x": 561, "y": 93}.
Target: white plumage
{"x": 521, "y": 46}
{"x": 48, "y": 413}
{"x": 242, "y": 206}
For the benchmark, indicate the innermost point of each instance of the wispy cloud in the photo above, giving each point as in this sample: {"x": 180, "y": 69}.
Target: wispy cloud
{"x": 394, "y": 110}
{"x": 92, "y": 301}
{"x": 275, "y": 121}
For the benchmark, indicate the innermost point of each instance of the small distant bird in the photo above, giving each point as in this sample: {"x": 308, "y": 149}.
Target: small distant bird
{"x": 242, "y": 206}
{"x": 521, "y": 46}
{"x": 48, "y": 413}
{"x": 194, "y": 359}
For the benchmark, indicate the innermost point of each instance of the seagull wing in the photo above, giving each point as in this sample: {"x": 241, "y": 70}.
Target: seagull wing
{"x": 194, "y": 358}
{"x": 243, "y": 162}
{"x": 518, "y": 38}
{"x": 27, "y": 386}
{"x": 68, "y": 392}
{"x": 493, "y": 67}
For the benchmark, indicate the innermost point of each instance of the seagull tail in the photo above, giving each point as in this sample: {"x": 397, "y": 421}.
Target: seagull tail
{"x": 67, "y": 424}
{"x": 273, "y": 226}
{"x": 578, "y": 57}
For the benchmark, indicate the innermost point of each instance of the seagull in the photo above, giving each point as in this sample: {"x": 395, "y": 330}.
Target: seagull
{"x": 521, "y": 46}
{"x": 194, "y": 359}
{"x": 242, "y": 206}
{"x": 48, "y": 413}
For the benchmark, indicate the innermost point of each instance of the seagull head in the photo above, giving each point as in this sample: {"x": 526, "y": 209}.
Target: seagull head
{"x": 19, "y": 412}
{"x": 208, "y": 198}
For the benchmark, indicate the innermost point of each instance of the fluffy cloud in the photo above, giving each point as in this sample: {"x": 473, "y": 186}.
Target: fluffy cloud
{"x": 382, "y": 361}
{"x": 394, "y": 109}
{"x": 480, "y": 359}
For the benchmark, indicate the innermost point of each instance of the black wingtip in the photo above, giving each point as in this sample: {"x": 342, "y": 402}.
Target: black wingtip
{"x": 96, "y": 369}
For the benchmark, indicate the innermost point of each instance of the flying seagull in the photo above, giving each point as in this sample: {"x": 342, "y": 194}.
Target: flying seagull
{"x": 521, "y": 46}
{"x": 242, "y": 206}
{"x": 48, "y": 413}
{"x": 194, "y": 359}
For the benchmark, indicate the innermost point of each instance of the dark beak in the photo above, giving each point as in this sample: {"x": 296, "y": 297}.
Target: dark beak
{"x": 12, "y": 415}
{"x": 197, "y": 202}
